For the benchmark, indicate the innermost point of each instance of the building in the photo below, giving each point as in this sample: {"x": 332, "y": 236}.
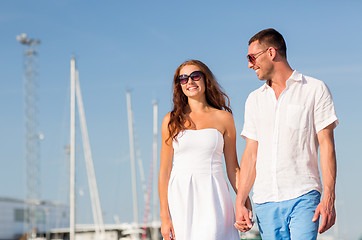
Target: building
{"x": 14, "y": 217}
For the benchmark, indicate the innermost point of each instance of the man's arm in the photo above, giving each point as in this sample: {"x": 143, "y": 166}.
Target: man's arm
{"x": 329, "y": 171}
{"x": 246, "y": 181}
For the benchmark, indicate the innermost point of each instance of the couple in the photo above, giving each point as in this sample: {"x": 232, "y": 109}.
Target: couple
{"x": 286, "y": 120}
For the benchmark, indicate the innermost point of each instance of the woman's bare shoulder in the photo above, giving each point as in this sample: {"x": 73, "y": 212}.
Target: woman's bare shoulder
{"x": 223, "y": 120}
{"x": 224, "y": 115}
{"x": 167, "y": 117}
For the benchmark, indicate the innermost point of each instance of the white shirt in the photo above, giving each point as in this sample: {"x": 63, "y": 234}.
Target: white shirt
{"x": 286, "y": 130}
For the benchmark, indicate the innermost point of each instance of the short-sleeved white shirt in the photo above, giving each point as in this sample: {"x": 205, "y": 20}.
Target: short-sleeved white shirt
{"x": 286, "y": 130}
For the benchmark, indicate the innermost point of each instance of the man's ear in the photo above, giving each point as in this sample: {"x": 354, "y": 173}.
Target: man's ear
{"x": 272, "y": 52}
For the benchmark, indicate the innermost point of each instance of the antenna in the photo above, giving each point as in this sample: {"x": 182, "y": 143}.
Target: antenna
{"x": 32, "y": 136}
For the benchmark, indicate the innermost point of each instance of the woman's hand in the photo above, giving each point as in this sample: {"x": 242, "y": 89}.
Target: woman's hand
{"x": 167, "y": 230}
{"x": 244, "y": 218}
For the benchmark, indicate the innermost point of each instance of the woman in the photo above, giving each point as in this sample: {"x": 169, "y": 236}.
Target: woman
{"x": 194, "y": 198}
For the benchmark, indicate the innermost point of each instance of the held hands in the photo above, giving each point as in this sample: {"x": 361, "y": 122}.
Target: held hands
{"x": 167, "y": 230}
{"x": 328, "y": 212}
{"x": 243, "y": 219}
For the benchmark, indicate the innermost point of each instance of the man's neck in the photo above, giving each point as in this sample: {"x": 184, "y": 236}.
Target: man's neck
{"x": 278, "y": 81}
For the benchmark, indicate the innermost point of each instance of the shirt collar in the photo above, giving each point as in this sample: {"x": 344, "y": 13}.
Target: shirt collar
{"x": 296, "y": 77}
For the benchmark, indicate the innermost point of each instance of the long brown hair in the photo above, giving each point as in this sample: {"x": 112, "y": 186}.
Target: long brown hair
{"x": 215, "y": 97}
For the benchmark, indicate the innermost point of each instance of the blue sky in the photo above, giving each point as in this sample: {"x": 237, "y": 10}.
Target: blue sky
{"x": 138, "y": 45}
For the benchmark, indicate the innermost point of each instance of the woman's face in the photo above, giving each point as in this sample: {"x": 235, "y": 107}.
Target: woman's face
{"x": 195, "y": 87}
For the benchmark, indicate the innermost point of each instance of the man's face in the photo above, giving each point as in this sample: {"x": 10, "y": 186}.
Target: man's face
{"x": 259, "y": 61}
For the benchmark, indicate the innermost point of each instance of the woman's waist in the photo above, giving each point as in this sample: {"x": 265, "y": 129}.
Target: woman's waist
{"x": 197, "y": 167}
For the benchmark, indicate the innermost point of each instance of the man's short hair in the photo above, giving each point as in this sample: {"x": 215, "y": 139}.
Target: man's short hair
{"x": 271, "y": 38}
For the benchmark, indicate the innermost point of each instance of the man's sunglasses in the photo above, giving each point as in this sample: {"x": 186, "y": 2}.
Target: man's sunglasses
{"x": 252, "y": 57}
{"x": 195, "y": 76}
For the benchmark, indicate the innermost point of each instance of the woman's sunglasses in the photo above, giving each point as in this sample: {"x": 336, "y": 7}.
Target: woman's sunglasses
{"x": 195, "y": 76}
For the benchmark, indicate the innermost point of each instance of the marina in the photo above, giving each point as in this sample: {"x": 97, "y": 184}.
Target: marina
{"x": 125, "y": 54}
{"x": 34, "y": 219}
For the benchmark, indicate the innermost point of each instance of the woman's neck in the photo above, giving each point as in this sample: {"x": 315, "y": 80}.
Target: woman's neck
{"x": 199, "y": 105}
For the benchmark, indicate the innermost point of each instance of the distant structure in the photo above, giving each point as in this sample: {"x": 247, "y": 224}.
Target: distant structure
{"x": 50, "y": 215}
{"x": 76, "y": 99}
{"x": 32, "y": 135}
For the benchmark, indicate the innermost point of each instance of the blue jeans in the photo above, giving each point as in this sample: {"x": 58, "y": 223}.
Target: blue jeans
{"x": 291, "y": 219}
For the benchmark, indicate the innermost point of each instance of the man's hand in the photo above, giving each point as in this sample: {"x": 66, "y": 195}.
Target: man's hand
{"x": 243, "y": 219}
{"x": 328, "y": 212}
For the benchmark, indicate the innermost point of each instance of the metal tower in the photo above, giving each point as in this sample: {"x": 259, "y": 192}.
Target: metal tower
{"x": 32, "y": 135}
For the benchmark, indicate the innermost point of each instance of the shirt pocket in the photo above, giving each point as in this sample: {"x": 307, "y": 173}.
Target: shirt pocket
{"x": 297, "y": 117}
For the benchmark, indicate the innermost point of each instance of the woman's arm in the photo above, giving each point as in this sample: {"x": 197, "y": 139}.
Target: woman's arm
{"x": 231, "y": 160}
{"x": 232, "y": 165}
{"x": 164, "y": 176}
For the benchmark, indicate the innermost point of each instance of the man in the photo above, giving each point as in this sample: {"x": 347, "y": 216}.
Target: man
{"x": 285, "y": 121}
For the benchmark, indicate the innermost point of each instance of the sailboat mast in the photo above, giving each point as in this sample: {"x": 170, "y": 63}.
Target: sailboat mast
{"x": 132, "y": 156}
{"x": 154, "y": 148}
{"x": 93, "y": 189}
{"x": 72, "y": 150}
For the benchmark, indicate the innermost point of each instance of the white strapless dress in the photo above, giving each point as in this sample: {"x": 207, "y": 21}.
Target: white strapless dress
{"x": 198, "y": 195}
